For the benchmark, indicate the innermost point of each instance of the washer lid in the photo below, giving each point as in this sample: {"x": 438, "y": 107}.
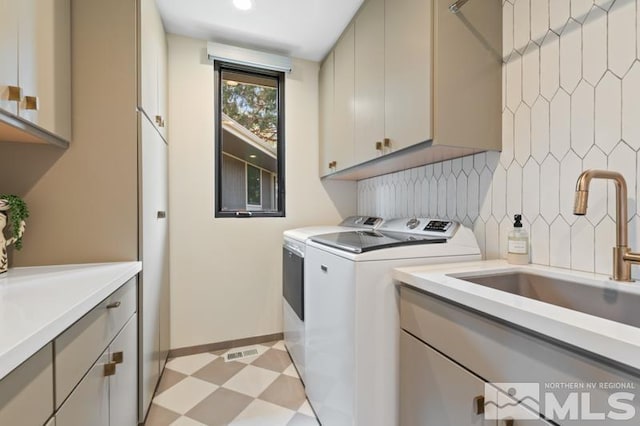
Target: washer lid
{"x": 368, "y": 240}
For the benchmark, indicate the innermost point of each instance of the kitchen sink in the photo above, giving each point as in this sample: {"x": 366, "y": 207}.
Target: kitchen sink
{"x": 609, "y": 303}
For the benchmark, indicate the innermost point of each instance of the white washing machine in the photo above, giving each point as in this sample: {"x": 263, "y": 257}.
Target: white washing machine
{"x": 293, "y": 254}
{"x": 352, "y": 318}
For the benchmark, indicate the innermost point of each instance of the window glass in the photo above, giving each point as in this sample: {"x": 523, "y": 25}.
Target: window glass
{"x": 249, "y": 142}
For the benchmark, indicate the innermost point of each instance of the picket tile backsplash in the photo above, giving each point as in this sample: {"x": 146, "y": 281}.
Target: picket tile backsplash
{"x": 571, "y": 101}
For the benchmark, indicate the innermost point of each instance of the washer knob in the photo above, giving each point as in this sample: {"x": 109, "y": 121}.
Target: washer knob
{"x": 413, "y": 223}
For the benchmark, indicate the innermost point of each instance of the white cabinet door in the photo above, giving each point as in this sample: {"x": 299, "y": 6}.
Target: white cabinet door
{"x": 8, "y": 53}
{"x": 88, "y": 404}
{"x": 123, "y": 407}
{"x": 408, "y": 73}
{"x": 369, "y": 80}
{"x": 45, "y": 64}
{"x": 434, "y": 390}
{"x": 326, "y": 115}
{"x": 344, "y": 92}
{"x": 154, "y": 255}
{"x": 153, "y": 65}
{"x": 329, "y": 327}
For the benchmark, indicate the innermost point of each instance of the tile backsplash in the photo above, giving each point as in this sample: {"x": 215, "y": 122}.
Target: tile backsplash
{"x": 571, "y": 101}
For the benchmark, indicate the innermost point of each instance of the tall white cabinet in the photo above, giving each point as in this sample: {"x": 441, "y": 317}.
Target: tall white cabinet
{"x": 154, "y": 215}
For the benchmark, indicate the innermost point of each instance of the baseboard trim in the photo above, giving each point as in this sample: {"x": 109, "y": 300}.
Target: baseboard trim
{"x": 211, "y": 347}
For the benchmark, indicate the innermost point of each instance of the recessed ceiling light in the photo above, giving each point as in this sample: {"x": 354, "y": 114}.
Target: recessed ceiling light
{"x": 243, "y": 4}
{"x": 253, "y": 156}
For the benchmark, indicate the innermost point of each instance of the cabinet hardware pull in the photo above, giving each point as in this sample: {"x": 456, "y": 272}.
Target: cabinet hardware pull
{"x": 378, "y": 146}
{"x": 109, "y": 369}
{"x": 162, "y": 214}
{"x": 509, "y": 422}
{"x": 15, "y": 93}
{"x": 31, "y": 103}
{"x": 324, "y": 268}
{"x": 113, "y": 305}
{"x": 387, "y": 142}
{"x": 117, "y": 357}
{"x": 244, "y": 214}
{"x": 478, "y": 405}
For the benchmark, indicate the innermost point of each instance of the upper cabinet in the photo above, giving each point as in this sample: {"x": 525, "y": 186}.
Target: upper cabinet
{"x": 152, "y": 98}
{"x": 35, "y": 71}
{"x": 422, "y": 85}
{"x": 326, "y": 115}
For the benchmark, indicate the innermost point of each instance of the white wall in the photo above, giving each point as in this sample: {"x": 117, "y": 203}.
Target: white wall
{"x": 226, "y": 273}
{"x": 571, "y": 101}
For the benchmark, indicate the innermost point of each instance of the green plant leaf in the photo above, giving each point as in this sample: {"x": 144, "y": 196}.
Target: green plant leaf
{"x": 18, "y": 212}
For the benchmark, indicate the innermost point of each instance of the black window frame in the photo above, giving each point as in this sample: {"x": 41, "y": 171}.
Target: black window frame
{"x": 220, "y": 66}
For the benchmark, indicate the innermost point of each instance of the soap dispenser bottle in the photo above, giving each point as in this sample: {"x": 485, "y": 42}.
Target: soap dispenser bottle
{"x": 518, "y": 243}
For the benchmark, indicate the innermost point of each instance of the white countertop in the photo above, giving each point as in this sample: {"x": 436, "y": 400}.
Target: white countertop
{"x": 38, "y": 303}
{"x": 612, "y": 340}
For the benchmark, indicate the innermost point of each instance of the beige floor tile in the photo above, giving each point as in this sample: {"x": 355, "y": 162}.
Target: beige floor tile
{"x": 291, "y": 371}
{"x": 280, "y": 345}
{"x": 262, "y": 413}
{"x": 169, "y": 378}
{"x": 302, "y": 420}
{"x": 186, "y": 421}
{"x": 160, "y": 416}
{"x": 251, "y": 380}
{"x": 273, "y": 359}
{"x": 285, "y": 391}
{"x": 220, "y": 408}
{"x": 305, "y": 408}
{"x": 191, "y": 363}
{"x": 219, "y": 371}
{"x": 270, "y": 344}
{"x": 185, "y": 395}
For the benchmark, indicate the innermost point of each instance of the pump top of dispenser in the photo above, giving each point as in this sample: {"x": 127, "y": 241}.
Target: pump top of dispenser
{"x": 518, "y": 223}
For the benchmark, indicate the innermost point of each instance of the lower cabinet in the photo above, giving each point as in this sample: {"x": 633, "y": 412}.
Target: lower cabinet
{"x": 435, "y": 391}
{"x": 107, "y": 395}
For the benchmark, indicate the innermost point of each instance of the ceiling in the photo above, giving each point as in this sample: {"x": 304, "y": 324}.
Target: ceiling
{"x": 300, "y": 28}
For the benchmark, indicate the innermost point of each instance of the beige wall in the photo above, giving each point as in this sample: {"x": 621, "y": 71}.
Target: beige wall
{"x": 83, "y": 201}
{"x": 226, "y": 273}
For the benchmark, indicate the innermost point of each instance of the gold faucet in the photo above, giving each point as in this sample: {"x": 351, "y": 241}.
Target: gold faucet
{"x": 622, "y": 255}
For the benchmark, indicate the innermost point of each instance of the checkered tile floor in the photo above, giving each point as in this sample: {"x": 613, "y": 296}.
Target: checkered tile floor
{"x": 203, "y": 389}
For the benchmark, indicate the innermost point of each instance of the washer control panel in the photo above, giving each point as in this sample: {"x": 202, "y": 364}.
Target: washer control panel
{"x": 421, "y": 226}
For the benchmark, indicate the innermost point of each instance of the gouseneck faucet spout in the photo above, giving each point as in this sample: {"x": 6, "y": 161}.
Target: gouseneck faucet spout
{"x": 622, "y": 257}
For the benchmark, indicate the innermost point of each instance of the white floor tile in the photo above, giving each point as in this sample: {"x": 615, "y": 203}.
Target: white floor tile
{"x": 262, "y": 413}
{"x": 280, "y": 345}
{"x": 291, "y": 371}
{"x": 251, "y": 380}
{"x": 186, "y": 421}
{"x": 185, "y": 395}
{"x": 191, "y": 363}
{"x": 305, "y": 409}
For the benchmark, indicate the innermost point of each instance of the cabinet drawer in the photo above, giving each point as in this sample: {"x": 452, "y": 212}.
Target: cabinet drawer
{"x": 88, "y": 404}
{"x": 78, "y": 348}
{"x": 26, "y": 394}
{"x": 501, "y": 353}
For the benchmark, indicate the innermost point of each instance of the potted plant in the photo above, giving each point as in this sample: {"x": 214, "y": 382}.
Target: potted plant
{"x": 13, "y": 212}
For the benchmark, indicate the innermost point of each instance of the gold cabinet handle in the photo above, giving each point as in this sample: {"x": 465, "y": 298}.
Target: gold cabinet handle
{"x": 387, "y": 143}
{"x": 478, "y": 405}
{"x": 378, "y": 146}
{"x": 15, "y": 93}
{"x": 113, "y": 305}
{"x": 509, "y": 422}
{"x": 117, "y": 357}
{"x": 31, "y": 103}
{"x": 159, "y": 121}
{"x": 109, "y": 369}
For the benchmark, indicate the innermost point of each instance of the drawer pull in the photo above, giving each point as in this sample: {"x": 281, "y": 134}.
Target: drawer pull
{"x": 15, "y": 93}
{"x": 509, "y": 422}
{"x": 387, "y": 143}
{"x": 113, "y": 305}
{"x": 159, "y": 121}
{"x": 478, "y": 405}
{"x": 109, "y": 369}
{"x": 31, "y": 103}
{"x": 378, "y": 146}
{"x": 117, "y": 357}
{"x": 161, "y": 214}
{"x": 324, "y": 268}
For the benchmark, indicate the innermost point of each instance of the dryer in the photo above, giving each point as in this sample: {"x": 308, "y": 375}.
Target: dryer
{"x": 351, "y": 313}
{"x": 293, "y": 254}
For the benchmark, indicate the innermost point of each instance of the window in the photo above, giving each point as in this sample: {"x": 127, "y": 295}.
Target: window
{"x": 249, "y": 142}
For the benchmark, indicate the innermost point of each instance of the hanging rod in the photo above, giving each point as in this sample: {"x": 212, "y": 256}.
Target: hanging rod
{"x": 455, "y": 7}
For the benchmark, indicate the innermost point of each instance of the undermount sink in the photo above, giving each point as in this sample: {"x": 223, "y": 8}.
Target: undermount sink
{"x": 607, "y": 303}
